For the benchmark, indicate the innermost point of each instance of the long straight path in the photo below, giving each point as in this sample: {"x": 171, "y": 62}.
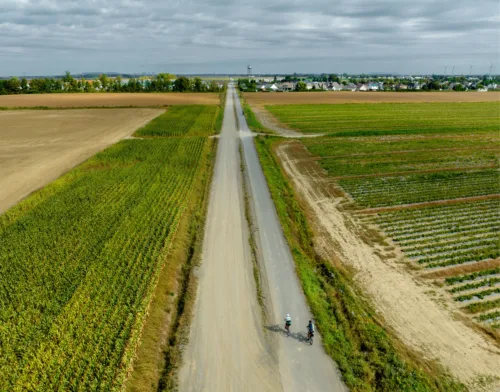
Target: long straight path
{"x": 227, "y": 350}
{"x": 302, "y": 367}
{"x": 230, "y": 348}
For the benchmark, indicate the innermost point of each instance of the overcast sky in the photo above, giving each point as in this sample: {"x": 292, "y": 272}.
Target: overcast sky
{"x": 222, "y": 36}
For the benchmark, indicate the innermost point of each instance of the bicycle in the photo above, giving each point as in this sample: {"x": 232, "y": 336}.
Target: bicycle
{"x": 310, "y": 336}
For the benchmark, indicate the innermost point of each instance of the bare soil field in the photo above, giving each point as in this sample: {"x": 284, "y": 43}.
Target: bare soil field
{"x": 332, "y": 97}
{"x": 37, "y": 146}
{"x": 108, "y": 100}
{"x": 410, "y": 306}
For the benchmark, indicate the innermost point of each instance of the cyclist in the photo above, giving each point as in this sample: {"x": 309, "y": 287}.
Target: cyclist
{"x": 288, "y": 323}
{"x": 310, "y": 330}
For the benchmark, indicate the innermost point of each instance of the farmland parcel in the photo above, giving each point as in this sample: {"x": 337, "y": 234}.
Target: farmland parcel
{"x": 341, "y": 97}
{"x": 107, "y": 100}
{"x": 37, "y": 146}
{"x": 400, "y": 185}
{"x": 84, "y": 254}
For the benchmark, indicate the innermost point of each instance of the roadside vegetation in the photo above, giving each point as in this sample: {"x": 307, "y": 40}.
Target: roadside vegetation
{"x": 252, "y": 121}
{"x": 369, "y": 359}
{"x": 84, "y": 256}
{"x": 389, "y": 118}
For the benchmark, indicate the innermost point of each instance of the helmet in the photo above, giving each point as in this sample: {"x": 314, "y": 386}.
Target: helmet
{"x": 287, "y": 315}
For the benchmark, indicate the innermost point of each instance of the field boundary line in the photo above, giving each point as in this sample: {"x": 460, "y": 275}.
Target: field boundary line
{"x": 427, "y": 204}
{"x": 402, "y": 173}
{"x": 362, "y": 154}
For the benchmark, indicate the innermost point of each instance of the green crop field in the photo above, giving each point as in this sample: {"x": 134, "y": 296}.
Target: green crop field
{"x": 81, "y": 258}
{"x": 389, "y": 118}
{"x": 433, "y": 189}
{"x": 191, "y": 120}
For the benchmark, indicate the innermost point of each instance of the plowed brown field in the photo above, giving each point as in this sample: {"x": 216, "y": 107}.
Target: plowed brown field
{"x": 37, "y": 146}
{"x": 366, "y": 97}
{"x": 108, "y": 100}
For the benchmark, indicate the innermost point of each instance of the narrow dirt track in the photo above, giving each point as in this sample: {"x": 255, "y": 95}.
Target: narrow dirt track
{"x": 227, "y": 350}
{"x": 231, "y": 348}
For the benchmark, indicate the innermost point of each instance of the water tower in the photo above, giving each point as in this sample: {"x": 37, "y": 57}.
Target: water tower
{"x": 249, "y": 70}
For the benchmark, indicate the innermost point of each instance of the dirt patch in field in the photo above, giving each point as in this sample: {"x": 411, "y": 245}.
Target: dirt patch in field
{"x": 37, "y": 146}
{"x": 405, "y": 302}
{"x": 272, "y": 123}
{"x": 108, "y": 100}
{"x": 336, "y": 97}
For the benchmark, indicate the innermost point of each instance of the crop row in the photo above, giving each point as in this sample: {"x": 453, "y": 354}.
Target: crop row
{"x": 489, "y": 316}
{"x": 472, "y": 276}
{"x": 450, "y": 224}
{"x": 466, "y": 257}
{"x": 445, "y": 236}
{"x": 82, "y": 265}
{"x": 482, "y": 306}
{"x": 482, "y": 283}
{"x": 478, "y": 294}
{"x": 408, "y": 162}
{"x": 371, "y": 147}
{"x": 488, "y": 251}
{"x": 189, "y": 120}
{"x": 417, "y": 188}
{"x": 451, "y": 249}
{"x": 443, "y": 212}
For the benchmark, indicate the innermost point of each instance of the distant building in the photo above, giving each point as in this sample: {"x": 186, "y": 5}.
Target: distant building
{"x": 335, "y": 86}
{"x": 287, "y": 86}
{"x": 350, "y": 87}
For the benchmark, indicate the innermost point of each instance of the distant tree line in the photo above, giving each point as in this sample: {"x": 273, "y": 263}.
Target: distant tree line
{"x": 163, "y": 82}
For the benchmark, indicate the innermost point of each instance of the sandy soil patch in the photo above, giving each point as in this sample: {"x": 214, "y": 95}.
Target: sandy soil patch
{"x": 407, "y": 304}
{"x": 334, "y": 97}
{"x": 108, "y": 100}
{"x": 37, "y": 146}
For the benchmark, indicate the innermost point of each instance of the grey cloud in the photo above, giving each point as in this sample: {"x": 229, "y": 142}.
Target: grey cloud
{"x": 48, "y": 36}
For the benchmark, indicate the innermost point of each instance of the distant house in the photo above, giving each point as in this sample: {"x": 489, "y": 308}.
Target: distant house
{"x": 414, "y": 86}
{"x": 287, "y": 86}
{"x": 373, "y": 86}
{"x": 401, "y": 87}
{"x": 335, "y": 86}
{"x": 492, "y": 86}
{"x": 362, "y": 87}
{"x": 309, "y": 86}
{"x": 350, "y": 87}
{"x": 268, "y": 87}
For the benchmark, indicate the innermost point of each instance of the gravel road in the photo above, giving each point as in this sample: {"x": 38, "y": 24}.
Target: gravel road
{"x": 231, "y": 347}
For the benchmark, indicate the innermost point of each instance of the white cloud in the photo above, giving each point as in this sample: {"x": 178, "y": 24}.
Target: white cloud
{"x": 48, "y": 36}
